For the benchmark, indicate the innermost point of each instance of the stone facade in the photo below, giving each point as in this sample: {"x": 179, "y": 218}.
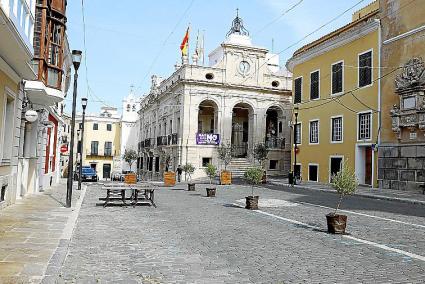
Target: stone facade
{"x": 401, "y": 149}
{"x": 401, "y": 167}
{"x": 242, "y": 98}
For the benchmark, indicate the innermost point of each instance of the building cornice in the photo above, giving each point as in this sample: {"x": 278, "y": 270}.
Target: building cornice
{"x": 332, "y": 43}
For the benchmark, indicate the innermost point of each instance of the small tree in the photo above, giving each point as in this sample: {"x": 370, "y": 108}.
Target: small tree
{"x": 225, "y": 152}
{"x": 130, "y": 156}
{"x": 344, "y": 182}
{"x": 260, "y": 154}
{"x": 189, "y": 169}
{"x": 254, "y": 177}
{"x": 211, "y": 171}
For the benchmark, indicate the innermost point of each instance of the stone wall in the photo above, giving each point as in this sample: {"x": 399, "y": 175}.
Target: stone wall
{"x": 401, "y": 167}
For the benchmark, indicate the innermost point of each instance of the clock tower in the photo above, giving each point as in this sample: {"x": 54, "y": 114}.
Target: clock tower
{"x": 245, "y": 63}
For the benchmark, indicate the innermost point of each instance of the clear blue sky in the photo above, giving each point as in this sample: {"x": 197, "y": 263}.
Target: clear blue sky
{"x": 124, "y": 37}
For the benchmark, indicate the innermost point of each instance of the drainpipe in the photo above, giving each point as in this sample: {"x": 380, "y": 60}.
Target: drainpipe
{"x": 379, "y": 95}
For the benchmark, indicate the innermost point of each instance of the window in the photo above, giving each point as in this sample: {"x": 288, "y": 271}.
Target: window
{"x": 108, "y": 149}
{"x": 157, "y": 164}
{"x": 365, "y": 69}
{"x": 206, "y": 161}
{"x": 95, "y": 126}
{"x": 109, "y": 127}
{"x": 336, "y": 129}
{"x": 80, "y": 126}
{"x": 314, "y": 85}
{"x": 314, "y": 132}
{"x": 273, "y": 164}
{"x": 298, "y": 90}
{"x": 297, "y": 133}
{"x": 94, "y": 147}
{"x": 337, "y": 78}
{"x": 364, "y": 121}
{"x": 313, "y": 171}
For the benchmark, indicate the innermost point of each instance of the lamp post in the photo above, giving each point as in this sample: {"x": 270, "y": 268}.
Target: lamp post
{"x": 295, "y": 145}
{"x": 76, "y": 60}
{"x": 84, "y": 105}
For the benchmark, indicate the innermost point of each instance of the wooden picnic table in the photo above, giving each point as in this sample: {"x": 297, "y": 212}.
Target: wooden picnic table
{"x": 116, "y": 191}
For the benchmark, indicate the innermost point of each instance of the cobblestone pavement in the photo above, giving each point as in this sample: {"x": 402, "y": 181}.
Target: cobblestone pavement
{"x": 415, "y": 197}
{"x": 190, "y": 238}
{"x": 30, "y": 231}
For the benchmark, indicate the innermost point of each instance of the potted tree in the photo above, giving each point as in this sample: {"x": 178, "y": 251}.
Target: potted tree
{"x": 345, "y": 183}
{"x": 260, "y": 154}
{"x": 169, "y": 176}
{"x": 225, "y": 155}
{"x": 130, "y": 156}
{"x": 253, "y": 177}
{"x": 211, "y": 172}
{"x": 189, "y": 169}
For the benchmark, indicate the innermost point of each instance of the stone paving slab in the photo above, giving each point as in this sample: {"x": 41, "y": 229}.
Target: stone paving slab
{"x": 190, "y": 238}
{"x": 30, "y": 231}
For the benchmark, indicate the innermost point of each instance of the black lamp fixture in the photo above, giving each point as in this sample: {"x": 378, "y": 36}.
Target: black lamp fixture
{"x": 296, "y": 109}
{"x": 80, "y": 176}
{"x": 76, "y": 61}
{"x": 76, "y": 58}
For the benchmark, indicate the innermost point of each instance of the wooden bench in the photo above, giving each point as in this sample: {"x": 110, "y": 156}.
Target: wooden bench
{"x": 116, "y": 192}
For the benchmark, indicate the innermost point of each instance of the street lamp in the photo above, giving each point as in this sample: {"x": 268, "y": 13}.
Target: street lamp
{"x": 76, "y": 60}
{"x": 84, "y": 105}
{"x": 295, "y": 144}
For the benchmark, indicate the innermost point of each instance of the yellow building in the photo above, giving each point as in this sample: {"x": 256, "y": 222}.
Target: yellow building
{"x": 101, "y": 149}
{"x": 335, "y": 89}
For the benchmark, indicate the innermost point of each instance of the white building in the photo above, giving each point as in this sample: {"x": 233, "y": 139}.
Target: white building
{"x": 129, "y": 129}
{"x": 242, "y": 98}
{"x": 16, "y": 53}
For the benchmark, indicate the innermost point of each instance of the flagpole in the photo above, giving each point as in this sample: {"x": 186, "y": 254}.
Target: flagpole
{"x": 203, "y": 48}
{"x": 188, "y": 45}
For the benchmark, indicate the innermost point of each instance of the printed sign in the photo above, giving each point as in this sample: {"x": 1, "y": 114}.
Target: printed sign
{"x": 64, "y": 148}
{"x": 207, "y": 139}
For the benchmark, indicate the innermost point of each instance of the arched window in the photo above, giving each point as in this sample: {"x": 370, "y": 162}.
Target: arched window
{"x": 128, "y": 107}
{"x": 134, "y": 108}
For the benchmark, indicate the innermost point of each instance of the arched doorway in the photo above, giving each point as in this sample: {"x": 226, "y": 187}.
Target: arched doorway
{"x": 207, "y": 117}
{"x": 241, "y": 127}
{"x": 274, "y": 128}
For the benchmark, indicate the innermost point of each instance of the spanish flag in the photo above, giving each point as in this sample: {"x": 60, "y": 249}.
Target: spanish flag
{"x": 184, "y": 46}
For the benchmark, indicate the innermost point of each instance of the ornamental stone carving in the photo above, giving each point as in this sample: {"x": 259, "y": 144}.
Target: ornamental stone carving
{"x": 413, "y": 75}
{"x": 410, "y": 86}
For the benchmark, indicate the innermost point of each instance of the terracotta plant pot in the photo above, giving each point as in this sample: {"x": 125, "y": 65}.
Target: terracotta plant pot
{"x": 252, "y": 202}
{"x": 210, "y": 192}
{"x": 225, "y": 178}
{"x": 190, "y": 187}
{"x": 336, "y": 223}
{"x": 169, "y": 179}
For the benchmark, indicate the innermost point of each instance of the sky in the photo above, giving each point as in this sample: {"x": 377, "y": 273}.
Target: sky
{"x": 128, "y": 41}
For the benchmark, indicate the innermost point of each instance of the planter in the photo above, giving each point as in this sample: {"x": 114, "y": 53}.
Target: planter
{"x": 211, "y": 192}
{"x": 336, "y": 223}
{"x": 169, "y": 179}
{"x": 252, "y": 202}
{"x": 225, "y": 178}
{"x": 191, "y": 187}
{"x": 264, "y": 178}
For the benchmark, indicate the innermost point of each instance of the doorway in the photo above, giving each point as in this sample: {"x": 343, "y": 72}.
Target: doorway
{"x": 364, "y": 164}
{"x": 313, "y": 172}
{"x": 241, "y": 124}
{"x": 336, "y": 165}
{"x": 368, "y": 165}
{"x": 106, "y": 171}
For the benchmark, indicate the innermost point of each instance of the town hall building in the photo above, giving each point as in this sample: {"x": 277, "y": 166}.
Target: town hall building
{"x": 242, "y": 98}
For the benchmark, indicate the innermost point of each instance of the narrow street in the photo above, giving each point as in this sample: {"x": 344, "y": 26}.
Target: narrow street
{"x": 190, "y": 238}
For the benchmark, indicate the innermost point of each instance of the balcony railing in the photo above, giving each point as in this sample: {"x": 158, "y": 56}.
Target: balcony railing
{"x": 275, "y": 143}
{"x": 108, "y": 153}
{"x": 161, "y": 141}
{"x": 149, "y": 142}
{"x": 174, "y": 140}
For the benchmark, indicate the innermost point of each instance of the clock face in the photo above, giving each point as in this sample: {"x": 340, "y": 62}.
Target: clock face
{"x": 244, "y": 67}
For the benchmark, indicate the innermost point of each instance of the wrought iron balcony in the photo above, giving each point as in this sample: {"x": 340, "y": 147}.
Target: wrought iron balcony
{"x": 275, "y": 143}
{"x": 161, "y": 141}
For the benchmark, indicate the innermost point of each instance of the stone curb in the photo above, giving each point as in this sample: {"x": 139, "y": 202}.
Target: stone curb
{"x": 366, "y": 195}
{"x": 59, "y": 256}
